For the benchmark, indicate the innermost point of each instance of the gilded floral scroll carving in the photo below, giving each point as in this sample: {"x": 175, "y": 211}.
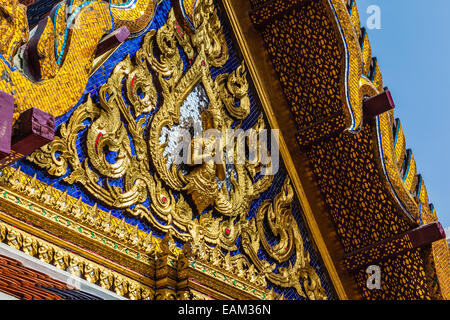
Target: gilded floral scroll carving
{"x": 146, "y": 101}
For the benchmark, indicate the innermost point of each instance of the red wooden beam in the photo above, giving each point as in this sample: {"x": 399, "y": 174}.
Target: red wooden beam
{"x": 417, "y": 238}
{"x": 427, "y": 234}
{"x": 34, "y": 129}
{"x": 374, "y": 106}
{"x": 112, "y": 40}
{"x": 6, "y": 119}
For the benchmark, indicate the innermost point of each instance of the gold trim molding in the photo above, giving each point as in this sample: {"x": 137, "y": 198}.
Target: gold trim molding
{"x": 73, "y": 263}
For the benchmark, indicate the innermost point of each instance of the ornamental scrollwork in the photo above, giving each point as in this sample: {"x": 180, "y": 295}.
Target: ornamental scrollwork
{"x": 278, "y": 214}
{"x": 129, "y": 136}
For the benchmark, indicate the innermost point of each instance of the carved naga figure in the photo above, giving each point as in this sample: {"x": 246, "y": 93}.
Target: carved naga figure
{"x": 50, "y": 69}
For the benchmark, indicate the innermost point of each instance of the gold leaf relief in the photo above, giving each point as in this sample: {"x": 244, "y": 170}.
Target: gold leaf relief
{"x": 192, "y": 203}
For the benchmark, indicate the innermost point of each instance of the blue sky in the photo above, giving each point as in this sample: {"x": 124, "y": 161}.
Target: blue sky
{"x": 413, "y": 50}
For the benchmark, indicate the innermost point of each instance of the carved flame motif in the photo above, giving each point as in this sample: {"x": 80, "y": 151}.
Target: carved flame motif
{"x": 182, "y": 198}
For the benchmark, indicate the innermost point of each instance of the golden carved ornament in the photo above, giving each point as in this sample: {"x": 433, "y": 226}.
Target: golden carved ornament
{"x": 107, "y": 131}
{"x": 281, "y": 222}
{"x": 194, "y": 203}
{"x": 29, "y": 246}
{"x": 2, "y": 232}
